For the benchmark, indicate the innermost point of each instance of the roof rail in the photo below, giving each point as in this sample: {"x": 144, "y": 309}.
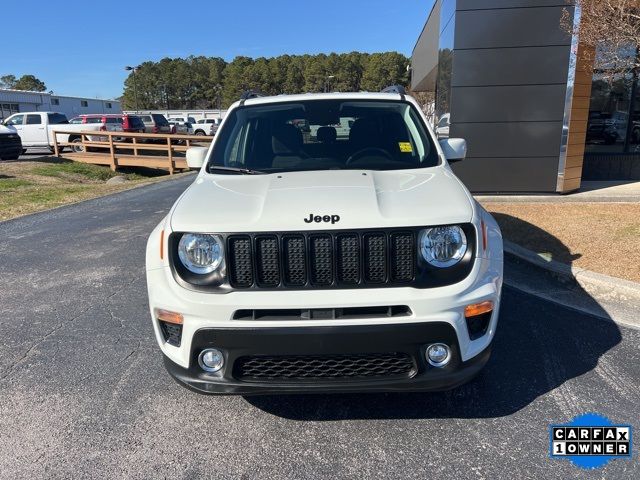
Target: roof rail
{"x": 247, "y": 94}
{"x": 394, "y": 89}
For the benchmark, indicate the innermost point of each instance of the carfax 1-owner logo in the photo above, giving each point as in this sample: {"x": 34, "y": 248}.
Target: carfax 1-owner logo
{"x": 590, "y": 441}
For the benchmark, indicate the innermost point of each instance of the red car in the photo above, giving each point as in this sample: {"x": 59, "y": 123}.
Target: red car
{"x": 113, "y": 122}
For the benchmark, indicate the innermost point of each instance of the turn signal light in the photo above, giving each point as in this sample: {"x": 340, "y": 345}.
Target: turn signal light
{"x": 478, "y": 308}
{"x": 169, "y": 317}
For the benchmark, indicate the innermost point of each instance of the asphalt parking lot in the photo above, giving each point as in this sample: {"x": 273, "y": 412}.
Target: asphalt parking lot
{"x": 84, "y": 394}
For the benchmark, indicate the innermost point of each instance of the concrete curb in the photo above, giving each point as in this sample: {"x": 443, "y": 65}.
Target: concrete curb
{"x": 600, "y": 287}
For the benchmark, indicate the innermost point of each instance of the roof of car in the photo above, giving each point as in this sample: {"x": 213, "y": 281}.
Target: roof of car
{"x": 104, "y": 115}
{"x": 321, "y": 96}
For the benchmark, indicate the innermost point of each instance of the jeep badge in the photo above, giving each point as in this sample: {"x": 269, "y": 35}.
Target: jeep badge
{"x": 325, "y": 218}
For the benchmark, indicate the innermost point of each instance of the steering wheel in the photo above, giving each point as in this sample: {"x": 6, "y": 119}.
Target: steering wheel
{"x": 368, "y": 152}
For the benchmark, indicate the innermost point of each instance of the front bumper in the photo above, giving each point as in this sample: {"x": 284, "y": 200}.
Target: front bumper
{"x": 10, "y": 149}
{"x": 410, "y": 339}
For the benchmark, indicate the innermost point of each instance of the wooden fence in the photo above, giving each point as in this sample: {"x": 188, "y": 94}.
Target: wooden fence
{"x": 120, "y": 149}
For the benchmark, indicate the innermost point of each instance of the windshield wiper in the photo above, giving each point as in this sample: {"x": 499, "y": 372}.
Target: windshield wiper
{"x": 242, "y": 171}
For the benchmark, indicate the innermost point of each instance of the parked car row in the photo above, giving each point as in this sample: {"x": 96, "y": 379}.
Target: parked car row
{"x": 34, "y": 128}
{"x": 112, "y": 123}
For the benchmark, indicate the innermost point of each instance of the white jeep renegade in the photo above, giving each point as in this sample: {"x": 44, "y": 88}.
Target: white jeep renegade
{"x": 325, "y": 246}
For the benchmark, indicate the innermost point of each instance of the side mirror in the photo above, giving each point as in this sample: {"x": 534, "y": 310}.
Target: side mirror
{"x": 454, "y": 149}
{"x": 196, "y": 156}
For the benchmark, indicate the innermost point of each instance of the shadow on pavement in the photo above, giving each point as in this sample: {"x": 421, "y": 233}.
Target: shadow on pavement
{"x": 539, "y": 345}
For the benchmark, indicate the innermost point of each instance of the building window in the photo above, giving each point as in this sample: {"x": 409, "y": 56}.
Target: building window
{"x": 84, "y": 103}
{"x": 55, "y": 101}
{"x": 609, "y": 114}
{"x": 108, "y": 104}
{"x": 8, "y": 109}
{"x": 614, "y": 114}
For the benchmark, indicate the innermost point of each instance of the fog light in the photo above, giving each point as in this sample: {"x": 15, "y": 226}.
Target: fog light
{"x": 211, "y": 360}
{"x": 438, "y": 354}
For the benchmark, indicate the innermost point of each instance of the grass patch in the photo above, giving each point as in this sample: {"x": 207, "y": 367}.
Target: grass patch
{"x": 40, "y": 183}
{"x": 603, "y": 237}
{"x": 71, "y": 169}
{"x": 9, "y": 184}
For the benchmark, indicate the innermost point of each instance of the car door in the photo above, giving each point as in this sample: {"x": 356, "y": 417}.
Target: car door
{"x": 148, "y": 123}
{"x": 33, "y": 130}
{"x": 17, "y": 122}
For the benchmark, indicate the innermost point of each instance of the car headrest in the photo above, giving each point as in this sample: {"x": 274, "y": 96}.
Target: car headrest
{"x": 286, "y": 139}
{"x": 327, "y": 134}
{"x": 364, "y": 131}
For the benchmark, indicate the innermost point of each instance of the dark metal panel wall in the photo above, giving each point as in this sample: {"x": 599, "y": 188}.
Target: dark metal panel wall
{"x": 510, "y": 66}
{"x": 509, "y": 74}
{"x": 510, "y": 27}
{"x": 481, "y": 4}
{"x": 491, "y": 175}
{"x": 511, "y": 139}
{"x": 511, "y": 103}
{"x": 424, "y": 58}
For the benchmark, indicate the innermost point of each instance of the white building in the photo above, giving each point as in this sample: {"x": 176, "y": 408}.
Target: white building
{"x": 13, "y": 101}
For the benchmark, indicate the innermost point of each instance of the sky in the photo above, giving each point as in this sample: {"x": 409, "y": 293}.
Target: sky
{"x": 81, "y": 48}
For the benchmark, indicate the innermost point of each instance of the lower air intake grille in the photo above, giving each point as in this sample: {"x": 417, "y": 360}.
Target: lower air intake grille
{"x": 172, "y": 333}
{"x": 310, "y": 367}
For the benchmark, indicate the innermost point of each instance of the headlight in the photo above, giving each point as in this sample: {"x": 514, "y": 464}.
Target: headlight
{"x": 200, "y": 253}
{"x": 443, "y": 246}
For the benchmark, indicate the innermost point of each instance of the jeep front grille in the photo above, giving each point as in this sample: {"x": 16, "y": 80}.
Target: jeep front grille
{"x": 321, "y": 259}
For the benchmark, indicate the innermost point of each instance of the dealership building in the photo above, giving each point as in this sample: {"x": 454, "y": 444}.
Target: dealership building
{"x": 14, "y": 101}
{"x": 514, "y": 84}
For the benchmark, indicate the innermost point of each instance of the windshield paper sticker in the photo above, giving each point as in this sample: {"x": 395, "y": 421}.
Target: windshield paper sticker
{"x": 405, "y": 147}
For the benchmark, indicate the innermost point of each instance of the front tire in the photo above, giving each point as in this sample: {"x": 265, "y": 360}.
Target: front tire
{"x": 200, "y": 133}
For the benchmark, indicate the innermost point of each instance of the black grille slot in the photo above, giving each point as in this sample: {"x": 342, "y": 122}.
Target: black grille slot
{"x": 329, "y": 367}
{"x": 403, "y": 259}
{"x": 295, "y": 265}
{"x": 321, "y": 254}
{"x": 172, "y": 333}
{"x": 376, "y": 254}
{"x": 267, "y": 261}
{"x": 348, "y": 256}
{"x": 240, "y": 262}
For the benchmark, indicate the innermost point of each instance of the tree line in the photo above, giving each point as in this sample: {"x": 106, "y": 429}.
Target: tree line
{"x": 25, "y": 82}
{"x": 211, "y": 82}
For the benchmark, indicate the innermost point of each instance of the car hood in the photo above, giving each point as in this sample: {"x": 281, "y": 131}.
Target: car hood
{"x": 7, "y": 130}
{"x": 282, "y": 202}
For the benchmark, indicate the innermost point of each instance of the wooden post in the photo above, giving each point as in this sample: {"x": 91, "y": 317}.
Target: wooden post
{"x": 135, "y": 146}
{"x": 112, "y": 153}
{"x": 56, "y": 152}
{"x": 170, "y": 152}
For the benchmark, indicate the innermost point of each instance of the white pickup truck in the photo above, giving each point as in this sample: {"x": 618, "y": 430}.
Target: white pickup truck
{"x": 35, "y": 129}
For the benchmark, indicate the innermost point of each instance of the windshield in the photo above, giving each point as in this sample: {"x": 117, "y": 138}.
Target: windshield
{"x": 160, "y": 120}
{"x": 57, "y": 119}
{"x": 323, "y": 135}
